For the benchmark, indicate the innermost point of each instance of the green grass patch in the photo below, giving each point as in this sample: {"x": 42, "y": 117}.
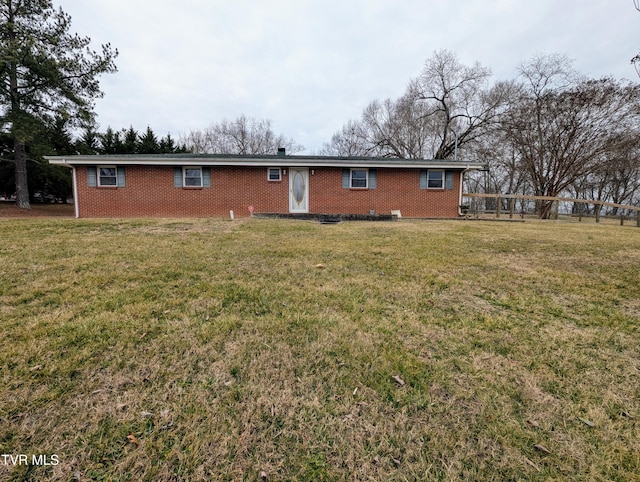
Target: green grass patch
{"x": 217, "y": 350}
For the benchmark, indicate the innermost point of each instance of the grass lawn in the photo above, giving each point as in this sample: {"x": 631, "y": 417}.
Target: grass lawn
{"x": 157, "y": 350}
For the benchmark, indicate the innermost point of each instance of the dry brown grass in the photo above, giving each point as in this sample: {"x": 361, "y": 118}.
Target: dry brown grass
{"x": 217, "y": 350}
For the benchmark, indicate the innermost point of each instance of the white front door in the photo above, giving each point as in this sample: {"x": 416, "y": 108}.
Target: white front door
{"x": 298, "y": 190}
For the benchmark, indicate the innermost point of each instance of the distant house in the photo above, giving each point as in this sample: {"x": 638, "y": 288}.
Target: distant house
{"x": 189, "y": 185}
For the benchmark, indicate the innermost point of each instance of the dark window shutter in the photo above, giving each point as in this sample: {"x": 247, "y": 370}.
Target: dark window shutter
{"x": 346, "y": 178}
{"x": 448, "y": 179}
{"x": 177, "y": 177}
{"x": 373, "y": 178}
{"x": 206, "y": 177}
{"x": 423, "y": 179}
{"x": 92, "y": 176}
{"x": 121, "y": 179}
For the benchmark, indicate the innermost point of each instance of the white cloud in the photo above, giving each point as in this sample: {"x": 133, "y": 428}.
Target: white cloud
{"x": 310, "y": 66}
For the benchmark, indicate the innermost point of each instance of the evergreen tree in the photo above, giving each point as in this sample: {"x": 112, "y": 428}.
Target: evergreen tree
{"x": 60, "y": 138}
{"x": 130, "y": 143}
{"x": 56, "y": 180}
{"x": 167, "y": 145}
{"x": 148, "y": 143}
{"x": 44, "y": 70}
{"x": 110, "y": 142}
{"x": 182, "y": 149}
{"x": 89, "y": 142}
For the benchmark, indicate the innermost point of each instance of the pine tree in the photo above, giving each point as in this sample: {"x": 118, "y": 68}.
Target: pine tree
{"x": 131, "y": 143}
{"x": 110, "y": 142}
{"x": 167, "y": 145}
{"x": 60, "y": 138}
{"x": 44, "y": 71}
{"x": 148, "y": 143}
{"x": 89, "y": 143}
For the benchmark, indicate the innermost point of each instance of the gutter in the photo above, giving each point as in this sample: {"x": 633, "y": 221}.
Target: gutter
{"x": 75, "y": 191}
{"x": 275, "y": 161}
{"x": 74, "y": 179}
{"x": 462, "y": 173}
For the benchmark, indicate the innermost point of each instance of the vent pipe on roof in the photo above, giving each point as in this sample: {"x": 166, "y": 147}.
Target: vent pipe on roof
{"x": 282, "y": 151}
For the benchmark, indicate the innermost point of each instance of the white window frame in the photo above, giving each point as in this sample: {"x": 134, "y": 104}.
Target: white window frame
{"x": 184, "y": 177}
{"x": 442, "y": 183}
{"x": 269, "y": 169}
{"x": 366, "y": 179}
{"x": 99, "y": 176}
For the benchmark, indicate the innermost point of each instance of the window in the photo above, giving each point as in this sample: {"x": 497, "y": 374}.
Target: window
{"x": 192, "y": 176}
{"x": 435, "y": 179}
{"x": 359, "y": 178}
{"x": 274, "y": 174}
{"x": 107, "y": 176}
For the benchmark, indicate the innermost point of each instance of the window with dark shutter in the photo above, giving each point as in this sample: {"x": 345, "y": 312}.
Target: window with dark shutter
{"x": 435, "y": 179}
{"x": 192, "y": 177}
{"x": 107, "y": 176}
{"x": 359, "y": 178}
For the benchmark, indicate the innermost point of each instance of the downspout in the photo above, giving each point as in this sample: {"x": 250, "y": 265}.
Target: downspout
{"x": 75, "y": 190}
{"x": 462, "y": 173}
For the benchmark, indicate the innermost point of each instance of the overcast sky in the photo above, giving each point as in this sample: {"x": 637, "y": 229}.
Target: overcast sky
{"x": 310, "y": 66}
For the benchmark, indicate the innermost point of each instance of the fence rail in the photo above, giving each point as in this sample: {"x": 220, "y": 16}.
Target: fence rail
{"x": 512, "y": 197}
{"x": 553, "y": 198}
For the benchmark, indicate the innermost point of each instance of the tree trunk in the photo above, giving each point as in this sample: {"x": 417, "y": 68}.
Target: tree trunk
{"x": 22, "y": 187}
{"x": 545, "y": 208}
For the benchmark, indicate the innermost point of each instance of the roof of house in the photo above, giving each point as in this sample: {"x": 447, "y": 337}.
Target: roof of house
{"x": 260, "y": 161}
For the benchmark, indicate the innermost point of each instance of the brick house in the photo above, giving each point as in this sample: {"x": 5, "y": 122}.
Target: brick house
{"x": 190, "y": 185}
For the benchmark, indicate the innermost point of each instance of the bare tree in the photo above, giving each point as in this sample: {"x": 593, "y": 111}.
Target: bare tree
{"x": 350, "y": 141}
{"x": 389, "y": 128}
{"x": 458, "y": 101}
{"x": 244, "y": 135}
{"x": 196, "y": 141}
{"x": 636, "y": 60}
{"x": 563, "y": 126}
{"x": 504, "y": 172}
{"x": 447, "y": 106}
{"x": 617, "y": 178}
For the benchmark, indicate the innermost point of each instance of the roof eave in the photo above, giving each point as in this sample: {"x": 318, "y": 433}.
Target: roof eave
{"x": 254, "y": 161}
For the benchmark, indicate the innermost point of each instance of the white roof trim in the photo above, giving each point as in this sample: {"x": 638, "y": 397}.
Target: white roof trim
{"x": 256, "y": 161}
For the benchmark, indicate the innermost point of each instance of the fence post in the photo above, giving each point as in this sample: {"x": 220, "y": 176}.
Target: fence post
{"x": 622, "y": 220}
{"x": 598, "y": 207}
{"x": 638, "y": 218}
{"x": 498, "y": 207}
{"x": 512, "y": 207}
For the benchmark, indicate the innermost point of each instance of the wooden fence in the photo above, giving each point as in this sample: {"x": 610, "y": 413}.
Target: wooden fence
{"x": 512, "y": 200}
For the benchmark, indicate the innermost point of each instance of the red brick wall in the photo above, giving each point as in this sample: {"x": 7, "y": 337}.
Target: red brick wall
{"x": 150, "y": 192}
{"x": 396, "y": 189}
